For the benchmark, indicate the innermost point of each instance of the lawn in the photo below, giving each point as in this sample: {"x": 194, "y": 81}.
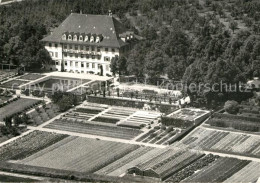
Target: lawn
{"x": 58, "y": 82}
{"x": 13, "y": 84}
{"x": 16, "y": 106}
{"x": 31, "y": 76}
{"x": 85, "y": 155}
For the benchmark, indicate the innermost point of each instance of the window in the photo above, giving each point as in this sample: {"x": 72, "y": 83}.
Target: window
{"x": 81, "y": 56}
{"x": 71, "y": 63}
{"x": 65, "y": 46}
{"x": 87, "y": 56}
{"x": 80, "y": 38}
{"x": 113, "y": 49}
{"x": 99, "y": 57}
{"x": 64, "y": 37}
{"x": 107, "y": 59}
{"x": 76, "y": 55}
{"x": 107, "y": 67}
{"x": 106, "y": 49}
{"x": 51, "y": 54}
{"x": 86, "y": 38}
{"x": 56, "y": 54}
{"x": 92, "y": 48}
{"x": 81, "y": 47}
{"x": 71, "y": 54}
{"x": 97, "y": 39}
{"x": 87, "y": 48}
{"x": 57, "y": 62}
{"x": 91, "y": 39}
{"x": 98, "y": 49}
{"x": 75, "y": 38}
{"x": 93, "y": 65}
{"x": 65, "y": 54}
{"x": 50, "y": 45}
{"x": 76, "y": 47}
{"x": 70, "y": 37}
{"x": 82, "y": 64}
{"x": 65, "y": 63}
{"x": 56, "y": 45}
{"x": 87, "y": 65}
{"x": 93, "y": 56}
{"x": 76, "y": 64}
{"x": 70, "y": 46}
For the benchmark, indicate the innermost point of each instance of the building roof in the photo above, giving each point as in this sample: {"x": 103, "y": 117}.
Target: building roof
{"x": 104, "y": 25}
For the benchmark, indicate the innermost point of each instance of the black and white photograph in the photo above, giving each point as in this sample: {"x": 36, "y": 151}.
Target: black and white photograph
{"x": 130, "y": 91}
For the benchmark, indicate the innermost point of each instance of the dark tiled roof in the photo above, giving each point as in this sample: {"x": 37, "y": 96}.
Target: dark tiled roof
{"x": 107, "y": 26}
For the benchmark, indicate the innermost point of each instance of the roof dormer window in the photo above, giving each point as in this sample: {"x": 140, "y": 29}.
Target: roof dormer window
{"x": 69, "y": 37}
{"x": 64, "y": 37}
{"x": 98, "y": 39}
{"x": 80, "y": 38}
{"x": 86, "y": 38}
{"x": 75, "y": 38}
{"x": 92, "y": 39}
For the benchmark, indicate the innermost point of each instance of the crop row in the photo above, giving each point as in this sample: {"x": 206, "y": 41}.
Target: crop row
{"x": 223, "y": 141}
{"x": 94, "y": 129}
{"x": 28, "y": 144}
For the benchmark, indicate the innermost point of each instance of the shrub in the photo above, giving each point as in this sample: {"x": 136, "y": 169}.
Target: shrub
{"x": 231, "y": 107}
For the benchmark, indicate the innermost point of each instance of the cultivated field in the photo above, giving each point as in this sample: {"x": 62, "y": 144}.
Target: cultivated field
{"x": 100, "y": 129}
{"x": 28, "y": 144}
{"x": 79, "y": 154}
{"x": 222, "y": 141}
{"x": 218, "y": 171}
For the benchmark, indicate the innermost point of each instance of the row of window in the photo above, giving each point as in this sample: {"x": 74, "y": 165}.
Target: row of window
{"x": 81, "y": 64}
{"x": 85, "y": 38}
{"x": 87, "y": 56}
{"x": 86, "y": 48}
{"x": 82, "y": 47}
{"x": 54, "y": 53}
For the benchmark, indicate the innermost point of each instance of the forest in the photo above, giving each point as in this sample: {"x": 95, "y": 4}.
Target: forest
{"x": 194, "y": 41}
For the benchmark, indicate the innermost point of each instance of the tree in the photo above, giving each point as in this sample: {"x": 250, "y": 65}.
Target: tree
{"x": 231, "y": 107}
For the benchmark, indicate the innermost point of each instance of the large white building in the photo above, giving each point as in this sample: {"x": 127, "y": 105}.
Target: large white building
{"x": 87, "y": 43}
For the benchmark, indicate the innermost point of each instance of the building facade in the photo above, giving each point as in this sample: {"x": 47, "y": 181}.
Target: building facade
{"x": 87, "y": 43}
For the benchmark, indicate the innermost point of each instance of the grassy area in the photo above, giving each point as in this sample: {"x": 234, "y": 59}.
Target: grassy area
{"x": 16, "y": 106}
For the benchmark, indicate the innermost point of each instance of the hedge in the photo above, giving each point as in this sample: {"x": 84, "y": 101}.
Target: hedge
{"x": 124, "y": 102}
{"x": 239, "y": 125}
{"x": 60, "y": 174}
{"x": 180, "y": 123}
{"x": 235, "y": 117}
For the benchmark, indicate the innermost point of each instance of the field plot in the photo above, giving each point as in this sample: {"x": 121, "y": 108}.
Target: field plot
{"x": 158, "y": 135}
{"x": 139, "y": 119}
{"x": 85, "y": 155}
{"x": 222, "y": 141}
{"x": 28, "y": 144}
{"x": 31, "y": 76}
{"x": 94, "y": 129}
{"x": 85, "y": 112}
{"x": 249, "y": 173}
{"x": 16, "y": 106}
{"x": 121, "y": 165}
{"x": 218, "y": 171}
{"x": 118, "y": 113}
